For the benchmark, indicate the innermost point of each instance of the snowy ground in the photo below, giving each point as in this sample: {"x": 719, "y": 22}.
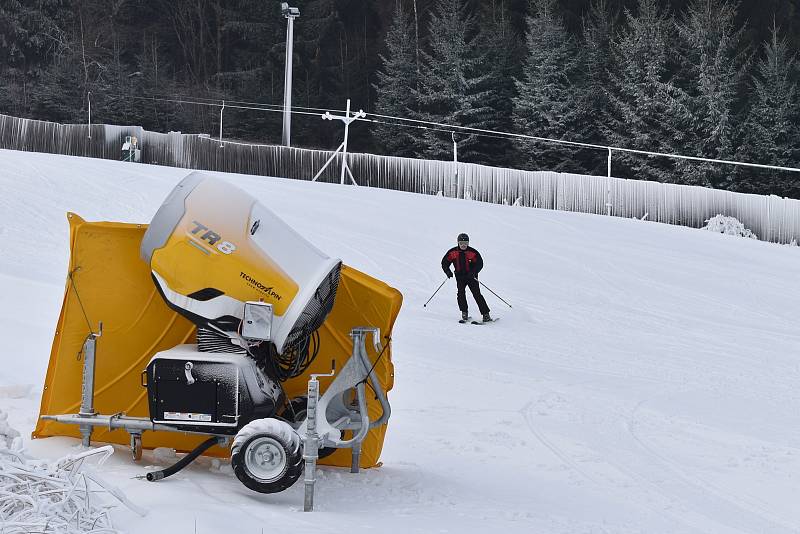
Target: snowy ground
{"x": 646, "y": 380}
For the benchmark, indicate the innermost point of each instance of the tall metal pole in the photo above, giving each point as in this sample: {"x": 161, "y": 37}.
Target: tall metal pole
{"x": 89, "y": 99}
{"x": 287, "y": 86}
{"x": 455, "y": 153}
{"x": 344, "y": 145}
{"x": 220, "y": 123}
{"x": 608, "y": 186}
{"x": 290, "y": 13}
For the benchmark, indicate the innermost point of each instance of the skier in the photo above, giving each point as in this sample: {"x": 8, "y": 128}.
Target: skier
{"x": 468, "y": 263}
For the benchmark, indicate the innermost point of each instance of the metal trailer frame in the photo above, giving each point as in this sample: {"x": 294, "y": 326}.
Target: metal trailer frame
{"x": 326, "y": 416}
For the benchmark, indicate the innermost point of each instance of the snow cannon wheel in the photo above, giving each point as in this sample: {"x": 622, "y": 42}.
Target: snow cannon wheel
{"x": 267, "y": 455}
{"x": 295, "y": 413}
{"x": 136, "y": 447}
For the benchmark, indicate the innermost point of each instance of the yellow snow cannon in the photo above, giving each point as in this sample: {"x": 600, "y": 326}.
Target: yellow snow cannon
{"x": 228, "y": 351}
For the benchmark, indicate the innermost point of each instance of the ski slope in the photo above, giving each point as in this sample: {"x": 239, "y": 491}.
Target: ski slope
{"x": 645, "y": 381}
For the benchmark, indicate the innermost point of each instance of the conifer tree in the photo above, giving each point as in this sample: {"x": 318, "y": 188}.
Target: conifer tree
{"x": 643, "y": 97}
{"x": 598, "y": 27}
{"x": 771, "y": 127}
{"x": 710, "y": 75}
{"x": 319, "y": 76}
{"x": 450, "y": 83}
{"x": 497, "y": 60}
{"x": 545, "y": 104}
{"x": 397, "y": 82}
{"x": 256, "y": 39}
{"x": 30, "y": 35}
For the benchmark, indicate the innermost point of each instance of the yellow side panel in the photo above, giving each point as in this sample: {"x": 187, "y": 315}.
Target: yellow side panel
{"x": 110, "y": 283}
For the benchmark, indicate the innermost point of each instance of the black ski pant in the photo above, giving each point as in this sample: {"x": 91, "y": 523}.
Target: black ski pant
{"x": 463, "y": 282}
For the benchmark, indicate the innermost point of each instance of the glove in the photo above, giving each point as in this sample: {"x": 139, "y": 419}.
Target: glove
{"x": 448, "y": 273}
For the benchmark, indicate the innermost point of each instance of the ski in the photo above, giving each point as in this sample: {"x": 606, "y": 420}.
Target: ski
{"x": 487, "y": 322}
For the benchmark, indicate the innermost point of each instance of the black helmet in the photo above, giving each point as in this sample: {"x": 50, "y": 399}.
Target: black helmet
{"x": 463, "y": 237}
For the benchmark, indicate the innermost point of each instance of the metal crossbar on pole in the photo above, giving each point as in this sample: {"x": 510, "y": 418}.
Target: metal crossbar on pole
{"x": 346, "y": 119}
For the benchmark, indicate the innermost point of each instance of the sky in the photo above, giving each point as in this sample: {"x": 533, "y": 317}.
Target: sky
{"x": 645, "y": 380}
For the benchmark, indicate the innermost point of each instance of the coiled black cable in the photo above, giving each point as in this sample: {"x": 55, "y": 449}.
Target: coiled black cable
{"x": 295, "y": 361}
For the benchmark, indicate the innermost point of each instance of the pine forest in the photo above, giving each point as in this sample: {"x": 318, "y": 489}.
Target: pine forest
{"x": 713, "y": 79}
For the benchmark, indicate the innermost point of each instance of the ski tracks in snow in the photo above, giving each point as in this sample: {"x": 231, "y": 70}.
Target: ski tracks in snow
{"x": 740, "y": 512}
{"x": 620, "y": 458}
{"x": 527, "y": 414}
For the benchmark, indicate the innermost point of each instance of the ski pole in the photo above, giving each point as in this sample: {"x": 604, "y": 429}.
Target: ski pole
{"x": 495, "y": 294}
{"x": 437, "y": 290}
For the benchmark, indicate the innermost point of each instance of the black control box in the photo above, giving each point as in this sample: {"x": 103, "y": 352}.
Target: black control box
{"x": 214, "y": 393}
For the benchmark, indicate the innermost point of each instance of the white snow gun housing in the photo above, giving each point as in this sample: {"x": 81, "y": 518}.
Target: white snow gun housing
{"x": 212, "y": 248}
{"x": 257, "y": 293}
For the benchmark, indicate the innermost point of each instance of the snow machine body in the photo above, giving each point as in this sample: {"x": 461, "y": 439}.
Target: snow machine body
{"x": 206, "y": 392}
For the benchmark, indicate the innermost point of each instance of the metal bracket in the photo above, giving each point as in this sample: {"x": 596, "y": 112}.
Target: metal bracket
{"x": 311, "y": 442}
{"x": 117, "y": 416}
{"x": 317, "y": 429}
{"x": 87, "y": 386}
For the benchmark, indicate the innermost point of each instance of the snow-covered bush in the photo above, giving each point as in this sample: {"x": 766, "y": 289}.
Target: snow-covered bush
{"x": 724, "y": 224}
{"x": 9, "y": 437}
{"x": 65, "y": 496}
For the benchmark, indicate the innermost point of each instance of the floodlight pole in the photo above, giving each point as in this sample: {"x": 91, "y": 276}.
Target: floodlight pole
{"x": 346, "y": 119}
{"x": 290, "y": 13}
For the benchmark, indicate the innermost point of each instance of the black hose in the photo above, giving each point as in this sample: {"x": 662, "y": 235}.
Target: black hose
{"x": 152, "y": 476}
{"x": 295, "y": 360}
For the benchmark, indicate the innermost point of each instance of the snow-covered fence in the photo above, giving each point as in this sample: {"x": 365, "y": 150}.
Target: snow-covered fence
{"x": 74, "y": 139}
{"x": 770, "y": 217}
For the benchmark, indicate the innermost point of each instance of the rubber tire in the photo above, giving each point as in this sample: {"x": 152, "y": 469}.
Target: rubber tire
{"x": 299, "y": 405}
{"x": 136, "y": 448}
{"x": 282, "y": 433}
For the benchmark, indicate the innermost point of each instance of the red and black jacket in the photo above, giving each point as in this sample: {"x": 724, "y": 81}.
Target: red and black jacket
{"x": 468, "y": 263}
